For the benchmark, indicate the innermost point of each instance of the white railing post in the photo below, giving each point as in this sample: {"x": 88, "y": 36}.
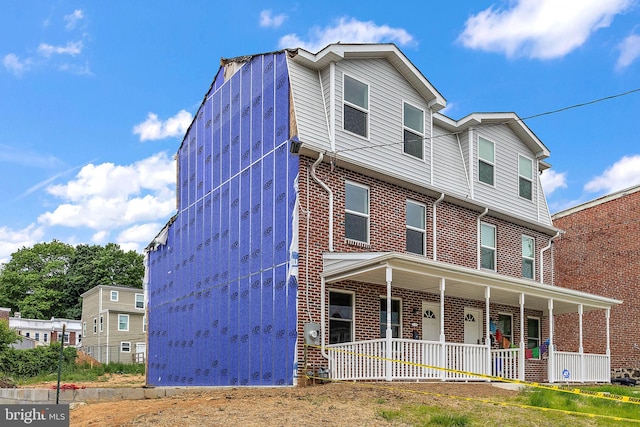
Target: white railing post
{"x": 521, "y": 358}
{"x": 389, "y": 332}
{"x": 443, "y": 349}
{"x": 551, "y": 361}
{"x": 608, "y": 316}
{"x": 580, "y": 346}
{"x": 487, "y": 332}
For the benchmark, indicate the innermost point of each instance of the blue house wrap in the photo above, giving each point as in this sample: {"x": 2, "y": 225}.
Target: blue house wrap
{"x": 222, "y": 286}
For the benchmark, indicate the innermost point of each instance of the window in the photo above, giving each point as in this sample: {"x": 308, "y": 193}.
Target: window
{"x": 144, "y": 323}
{"x": 340, "y": 317}
{"x": 533, "y": 333}
{"x": 95, "y": 325}
{"x": 125, "y": 347}
{"x": 486, "y": 161}
{"x": 413, "y": 136}
{"x": 101, "y": 323}
{"x": 356, "y": 107}
{"x": 27, "y": 334}
{"x": 488, "y": 246}
{"x": 114, "y": 295}
{"x": 46, "y": 337}
{"x": 65, "y": 338}
{"x": 395, "y": 318}
{"x": 37, "y": 336}
{"x": 505, "y": 325}
{"x": 416, "y": 220}
{"x": 356, "y": 221}
{"x": 84, "y": 328}
{"x": 525, "y": 172}
{"x": 139, "y": 300}
{"x": 528, "y": 257}
{"x": 123, "y": 322}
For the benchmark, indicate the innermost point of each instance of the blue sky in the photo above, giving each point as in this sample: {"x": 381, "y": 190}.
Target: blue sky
{"x": 95, "y": 96}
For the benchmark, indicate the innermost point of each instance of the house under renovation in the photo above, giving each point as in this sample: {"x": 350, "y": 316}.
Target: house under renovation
{"x": 332, "y": 221}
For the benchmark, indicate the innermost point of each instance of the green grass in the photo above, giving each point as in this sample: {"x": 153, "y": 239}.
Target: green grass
{"x": 85, "y": 373}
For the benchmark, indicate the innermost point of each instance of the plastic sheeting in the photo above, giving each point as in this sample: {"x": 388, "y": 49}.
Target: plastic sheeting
{"x": 222, "y": 293}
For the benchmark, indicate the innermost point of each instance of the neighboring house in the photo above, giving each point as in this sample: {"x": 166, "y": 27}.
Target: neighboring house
{"x": 114, "y": 324}
{"x": 598, "y": 251}
{"x": 325, "y": 194}
{"x": 38, "y": 332}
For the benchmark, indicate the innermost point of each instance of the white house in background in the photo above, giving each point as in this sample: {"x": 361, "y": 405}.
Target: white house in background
{"x": 36, "y": 332}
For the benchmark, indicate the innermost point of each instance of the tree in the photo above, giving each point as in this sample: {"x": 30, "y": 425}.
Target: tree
{"x": 7, "y": 336}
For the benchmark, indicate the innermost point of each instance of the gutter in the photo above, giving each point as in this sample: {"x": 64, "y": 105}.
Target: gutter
{"x": 328, "y": 190}
{"x": 542, "y": 251}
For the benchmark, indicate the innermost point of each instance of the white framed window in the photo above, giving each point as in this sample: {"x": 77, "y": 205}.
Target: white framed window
{"x": 396, "y": 322}
{"x": 65, "y": 338}
{"x": 525, "y": 177}
{"x": 488, "y": 246}
{"x": 533, "y": 335}
{"x": 355, "y": 106}
{"x": 341, "y": 305}
{"x": 84, "y": 329}
{"x": 416, "y": 227}
{"x": 140, "y": 301}
{"x": 486, "y": 161}
{"x": 95, "y": 325}
{"x": 125, "y": 347}
{"x": 123, "y": 322}
{"x": 505, "y": 326}
{"x": 101, "y": 323}
{"x": 413, "y": 130}
{"x": 356, "y": 221}
{"x": 37, "y": 336}
{"x": 114, "y": 295}
{"x": 528, "y": 256}
{"x": 46, "y": 337}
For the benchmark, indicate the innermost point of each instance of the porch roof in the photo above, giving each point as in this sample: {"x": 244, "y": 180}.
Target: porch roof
{"x": 422, "y": 274}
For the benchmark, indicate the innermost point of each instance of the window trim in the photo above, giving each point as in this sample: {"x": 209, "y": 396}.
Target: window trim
{"x": 353, "y": 312}
{"x": 399, "y": 324}
{"x": 122, "y": 343}
{"x": 112, "y": 294}
{"x": 414, "y": 131}
{"x": 37, "y": 336}
{"x": 357, "y": 107}
{"x": 136, "y": 301}
{"x": 492, "y": 164}
{"x": 101, "y": 323}
{"x": 494, "y": 249}
{"x": 533, "y": 258}
{"x": 119, "y": 328}
{"x": 539, "y": 338}
{"x": 422, "y": 230}
{"x": 526, "y": 178}
{"x": 360, "y": 214}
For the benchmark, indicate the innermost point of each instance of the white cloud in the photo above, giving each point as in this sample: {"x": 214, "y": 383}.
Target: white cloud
{"x": 541, "y": 29}
{"x": 73, "y": 18}
{"x": 106, "y": 197}
{"x": 100, "y": 237}
{"x": 552, "y": 180}
{"x": 12, "y": 240}
{"x": 268, "y": 20}
{"x": 140, "y": 233}
{"x": 622, "y": 174}
{"x": 629, "y": 51}
{"x": 347, "y": 30}
{"x": 13, "y": 63}
{"x": 72, "y": 48}
{"x": 153, "y": 128}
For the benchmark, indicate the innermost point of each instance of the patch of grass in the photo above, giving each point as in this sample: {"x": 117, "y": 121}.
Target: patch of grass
{"x": 85, "y": 373}
{"x": 390, "y": 415}
{"x": 449, "y": 420}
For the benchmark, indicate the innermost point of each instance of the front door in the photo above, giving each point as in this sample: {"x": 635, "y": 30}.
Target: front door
{"x": 472, "y": 325}
{"x": 430, "y": 321}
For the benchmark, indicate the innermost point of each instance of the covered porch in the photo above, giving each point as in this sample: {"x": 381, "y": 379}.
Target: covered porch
{"x": 431, "y": 354}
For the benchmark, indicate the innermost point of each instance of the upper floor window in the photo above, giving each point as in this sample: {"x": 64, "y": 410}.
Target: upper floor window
{"x": 395, "y": 318}
{"x": 139, "y": 300}
{"x": 37, "y": 336}
{"x": 525, "y": 177}
{"x": 114, "y": 295}
{"x": 84, "y": 328}
{"x": 413, "y": 136}
{"x": 356, "y": 106}
{"x": 123, "y": 322}
{"x": 416, "y": 232}
{"x": 528, "y": 256}
{"x": 95, "y": 325}
{"x": 356, "y": 223}
{"x": 533, "y": 335}
{"x": 486, "y": 161}
{"x": 340, "y": 317}
{"x": 46, "y": 337}
{"x": 488, "y": 246}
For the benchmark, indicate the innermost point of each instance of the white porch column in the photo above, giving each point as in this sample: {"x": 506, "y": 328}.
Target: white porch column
{"x": 580, "y": 347}
{"x": 389, "y": 332}
{"x": 443, "y": 349}
{"x": 521, "y": 353}
{"x": 551, "y": 368}
{"x": 608, "y": 317}
{"x": 487, "y": 332}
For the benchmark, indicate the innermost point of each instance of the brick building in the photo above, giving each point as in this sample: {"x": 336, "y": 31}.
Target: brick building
{"x": 598, "y": 251}
{"x": 331, "y": 220}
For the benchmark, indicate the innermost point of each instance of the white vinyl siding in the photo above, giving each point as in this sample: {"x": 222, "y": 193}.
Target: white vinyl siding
{"x": 355, "y": 107}
{"x": 413, "y": 130}
{"x": 416, "y": 227}
{"x": 488, "y": 246}
{"x": 528, "y": 257}
{"x": 450, "y": 162}
{"x": 525, "y": 177}
{"x": 356, "y": 222}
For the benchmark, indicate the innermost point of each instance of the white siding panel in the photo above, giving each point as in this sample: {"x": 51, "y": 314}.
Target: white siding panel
{"x": 449, "y": 167}
{"x": 310, "y": 113}
{"x": 504, "y": 194}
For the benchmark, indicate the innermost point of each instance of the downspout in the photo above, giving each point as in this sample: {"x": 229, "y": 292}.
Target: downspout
{"x": 435, "y": 234}
{"x": 542, "y": 251}
{"x": 486, "y": 210}
{"x": 328, "y": 190}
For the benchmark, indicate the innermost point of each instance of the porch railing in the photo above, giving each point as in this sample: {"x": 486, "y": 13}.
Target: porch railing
{"x": 582, "y": 367}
